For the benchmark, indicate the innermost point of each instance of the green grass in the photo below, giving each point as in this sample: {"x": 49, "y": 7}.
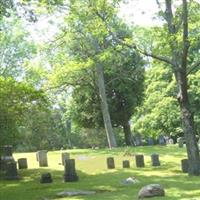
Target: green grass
{"x": 91, "y": 168}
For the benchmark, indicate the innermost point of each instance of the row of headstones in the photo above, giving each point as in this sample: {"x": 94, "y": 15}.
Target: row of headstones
{"x": 162, "y": 140}
{"x": 139, "y": 160}
{"x": 41, "y": 157}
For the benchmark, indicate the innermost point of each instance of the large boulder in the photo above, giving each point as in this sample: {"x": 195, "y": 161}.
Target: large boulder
{"x": 152, "y": 190}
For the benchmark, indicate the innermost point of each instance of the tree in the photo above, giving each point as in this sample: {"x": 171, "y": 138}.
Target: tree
{"x": 89, "y": 44}
{"x": 159, "y": 112}
{"x": 178, "y": 45}
{"x": 124, "y": 78}
{"x": 16, "y": 99}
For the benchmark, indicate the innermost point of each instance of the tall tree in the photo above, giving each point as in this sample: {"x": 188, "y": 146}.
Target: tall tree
{"x": 89, "y": 43}
{"x": 178, "y": 42}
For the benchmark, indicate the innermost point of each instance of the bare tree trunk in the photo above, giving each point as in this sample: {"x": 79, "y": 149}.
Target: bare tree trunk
{"x": 104, "y": 107}
{"x": 128, "y": 134}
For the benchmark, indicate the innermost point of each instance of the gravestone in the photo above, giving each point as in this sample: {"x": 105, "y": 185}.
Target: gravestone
{"x": 64, "y": 156}
{"x": 70, "y": 171}
{"x": 180, "y": 141}
{"x": 170, "y": 141}
{"x": 161, "y": 140}
{"x": 126, "y": 164}
{"x": 150, "y": 141}
{"x": 46, "y": 178}
{"x": 139, "y": 159}
{"x": 184, "y": 165}
{"x": 155, "y": 160}
{"x": 152, "y": 190}
{"x": 110, "y": 163}
{"x": 42, "y": 158}
{"x": 22, "y": 163}
{"x": 11, "y": 171}
{"x": 138, "y": 140}
{"x": 6, "y": 156}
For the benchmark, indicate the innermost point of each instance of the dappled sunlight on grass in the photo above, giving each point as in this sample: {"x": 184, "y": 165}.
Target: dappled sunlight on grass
{"x": 93, "y": 174}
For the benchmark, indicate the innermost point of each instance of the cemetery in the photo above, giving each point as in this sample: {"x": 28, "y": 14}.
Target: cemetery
{"x": 99, "y": 174}
{"x": 99, "y": 99}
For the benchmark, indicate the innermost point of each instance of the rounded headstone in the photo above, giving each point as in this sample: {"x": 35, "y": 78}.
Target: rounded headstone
{"x": 46, "y": 178}
{"x": 110, "y": 163}
{"x": 139, "y": 159}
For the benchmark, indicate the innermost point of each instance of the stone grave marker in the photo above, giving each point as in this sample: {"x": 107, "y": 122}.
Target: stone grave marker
{"x": 11, "y": 171}
{"x": 110, "y": 163}
{"x": 138, "y": 140}
{"x": 126, "y": 164}
{"x": 152, "y": 190}
{"x": 139, "y": 159}
{"x": 42, "y": 158}
{"x": 64, "y": 156}
{"x": 6, "y": 156}
{"x": 70, "y": 171}
{"x": 161, "y": 140}
{"x": 184, "y": 165}
{"x": 180, "y": 141}
{"x": 150, "y": 141}
{"x": 170, "y": 141}
{"x": 155, "y": 160}
{"x": 46, "y": 178}
{"x": 22, "y": 163}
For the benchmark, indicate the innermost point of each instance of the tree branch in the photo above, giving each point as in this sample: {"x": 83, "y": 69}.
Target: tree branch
{"x": 185, "y": 35}
{"x": 193, "y": 67}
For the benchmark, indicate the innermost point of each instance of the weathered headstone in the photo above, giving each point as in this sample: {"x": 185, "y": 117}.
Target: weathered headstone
{"x": 184, "y": 165}
{"x": 155, "y": 160}
{"x": 126, "y": 164}
{"x": 22, "y": 163}
{"x": 6, "y": 156}
{"x": 64, "y": 156}
{"x": 180, "y": 141}
{"x": 110, "y": 163}
{"x": 42, "y": 158}
{"x": 150, "y": 141}
{"x": 46, "y": 178}
{"x": 138, "y": 140}
{"x": 152, "y": 190}
{"x": 70, "y": 171}
{"x": 170, "y": 141}
{"x": 161, "y": 140}
{"x": 139, "y": 159}
{"x": 11, "y": 171}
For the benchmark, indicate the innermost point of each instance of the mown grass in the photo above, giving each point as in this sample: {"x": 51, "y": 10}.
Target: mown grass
{"x": 91, "y": 168}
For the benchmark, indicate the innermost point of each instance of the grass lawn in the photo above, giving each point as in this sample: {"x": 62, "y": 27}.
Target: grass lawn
{"x": 91, "y": 169}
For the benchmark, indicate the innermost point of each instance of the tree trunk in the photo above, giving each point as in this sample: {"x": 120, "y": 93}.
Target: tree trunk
{"x": 104, "y": 107}
{"x": 188, "y": 125}
{"x": 128, "y": 134}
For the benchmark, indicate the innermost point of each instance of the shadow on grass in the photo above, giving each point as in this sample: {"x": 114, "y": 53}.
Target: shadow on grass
{"x": 110, "y": 183}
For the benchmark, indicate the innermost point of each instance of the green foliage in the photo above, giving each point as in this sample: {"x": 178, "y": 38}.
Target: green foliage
{"x": 15, "y": 47}
{"x": 88, "y": 41}
{"x": 159, "y": 113}
{"x": 16, "y": 99}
